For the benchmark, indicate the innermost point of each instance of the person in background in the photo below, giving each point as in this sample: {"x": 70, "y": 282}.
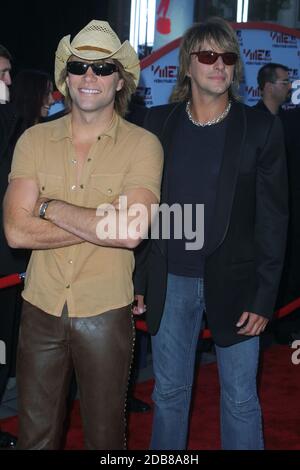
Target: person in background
{"x": 30, "y": 98}
{"x": 286, "y": 332}
{"x": 8, "y": 297}
{"x": 5, "y": 65}
{"x": 275, "y": 88}
{"x": 229, "y": 157}
{"x": 58, "y": 107}
{"x": 63, "y": 202}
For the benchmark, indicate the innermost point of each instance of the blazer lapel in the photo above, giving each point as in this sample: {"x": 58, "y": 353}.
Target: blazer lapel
{"x": 166, "y": 138}
{"x": 235, "y": 136}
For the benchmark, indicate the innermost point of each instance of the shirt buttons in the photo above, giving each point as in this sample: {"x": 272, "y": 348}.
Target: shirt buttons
{"x": 74, "y": 161}
{"x": 89, "y": 159}
{"x": 81, "y": 186}
{"x": 43, "y": 188}
{"x": 109, "y": 191}
{"x": 73, "y": 187}
{"x": 70, "y": 261}
{"x": 68, "y": 286}
{"x": 99, "y": 137}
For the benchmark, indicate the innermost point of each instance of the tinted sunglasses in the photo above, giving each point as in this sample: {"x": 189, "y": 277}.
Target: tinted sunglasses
{"x": 286, "y": 81}
{"x": 210, "y": 57}
{"x": 80, "y": 68}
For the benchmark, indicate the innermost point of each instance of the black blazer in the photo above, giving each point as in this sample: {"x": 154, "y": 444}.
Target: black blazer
{"x": 246, "y": 249}
{"x": 11, "y": 260}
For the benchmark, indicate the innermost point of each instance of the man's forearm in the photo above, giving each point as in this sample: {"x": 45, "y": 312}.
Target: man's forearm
{"x": 110, "y": 225}
{"x": 22, "y": 224}
{"x": 36, "y": 234}
{"x": 83, "y": 223}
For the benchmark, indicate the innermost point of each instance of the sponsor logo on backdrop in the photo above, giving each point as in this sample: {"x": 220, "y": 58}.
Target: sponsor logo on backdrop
{"x": 252, "y": 93}
{"x": 283, "y": 40}
{"x": 293, "y": 74}
{"x": 163, "y": 23}
{"x": 257, "y": 56}
{"x": 145, "y": 92}
{"x": 239, "y": 35}
{"x": 165, "y": 73}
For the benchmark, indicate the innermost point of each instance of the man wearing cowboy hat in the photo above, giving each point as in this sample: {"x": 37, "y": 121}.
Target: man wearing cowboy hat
{"x": 78, "y": 289}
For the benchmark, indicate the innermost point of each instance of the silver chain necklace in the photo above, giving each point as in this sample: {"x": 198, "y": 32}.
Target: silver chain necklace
{"x": 212, "y": 121}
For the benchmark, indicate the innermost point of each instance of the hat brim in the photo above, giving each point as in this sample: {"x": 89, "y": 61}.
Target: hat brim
{"x": 125, "y": 54}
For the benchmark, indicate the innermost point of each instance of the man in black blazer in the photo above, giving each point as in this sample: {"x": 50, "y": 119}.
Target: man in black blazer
{"x": 10, "y": 261}
{"x": 275, "y": 88}
{"x": 229, "y": 157}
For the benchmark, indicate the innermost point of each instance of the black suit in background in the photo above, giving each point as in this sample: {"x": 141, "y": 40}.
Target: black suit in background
{"x": 291, "y": 125}
{"x": 248, "y": 234}
{"x": 286, "y": 329}
{"x": 289, "y": 289}
{"x": 11, "y": 261}
{"x": 260, "y": 106}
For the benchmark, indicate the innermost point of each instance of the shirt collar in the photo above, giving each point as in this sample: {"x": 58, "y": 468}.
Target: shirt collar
{"x": 64, "y": 129}
{"x": 112, "y": 129}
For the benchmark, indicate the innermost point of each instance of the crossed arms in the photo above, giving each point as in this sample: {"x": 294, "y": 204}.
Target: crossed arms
{"x": 67, "y": 224}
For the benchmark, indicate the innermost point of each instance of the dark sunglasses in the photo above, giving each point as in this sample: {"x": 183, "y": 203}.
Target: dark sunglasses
{"x": 210, "y": 57}
{"x": 80, "y": 68}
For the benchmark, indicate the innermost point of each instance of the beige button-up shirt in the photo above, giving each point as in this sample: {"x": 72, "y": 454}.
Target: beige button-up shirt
{"x": 90, "y": 278}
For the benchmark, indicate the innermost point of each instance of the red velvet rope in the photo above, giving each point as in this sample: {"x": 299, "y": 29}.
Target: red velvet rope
{"x": 282, "y": 312}
{"x": 11, "y": 280}
{"x": 15, "y": 279}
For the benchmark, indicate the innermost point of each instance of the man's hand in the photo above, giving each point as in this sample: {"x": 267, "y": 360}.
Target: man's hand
{"x": 254, "y": 324}
{"x": 138, "y": 305}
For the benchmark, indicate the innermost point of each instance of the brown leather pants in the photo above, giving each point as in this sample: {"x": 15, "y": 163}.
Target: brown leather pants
{"x": 100, "y": 350}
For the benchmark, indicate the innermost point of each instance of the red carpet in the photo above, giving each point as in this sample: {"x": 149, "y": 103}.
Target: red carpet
{"x": 279, "y": 391}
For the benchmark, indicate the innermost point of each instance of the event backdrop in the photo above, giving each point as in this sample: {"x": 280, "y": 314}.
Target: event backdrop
{"x": 260, "y": 43}
{"x": 172, "y": 18}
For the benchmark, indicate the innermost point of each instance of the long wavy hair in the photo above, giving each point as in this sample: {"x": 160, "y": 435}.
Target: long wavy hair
{"x": 123, "y": 96}
{"x": 217, "y": 32}
{"x": 28, "y": 93}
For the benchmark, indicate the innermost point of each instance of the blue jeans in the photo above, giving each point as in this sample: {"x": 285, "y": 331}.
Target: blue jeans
{"x": 174, "y": 349}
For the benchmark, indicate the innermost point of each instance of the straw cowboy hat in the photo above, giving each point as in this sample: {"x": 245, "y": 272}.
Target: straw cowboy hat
{"x": 95, "y": 41}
